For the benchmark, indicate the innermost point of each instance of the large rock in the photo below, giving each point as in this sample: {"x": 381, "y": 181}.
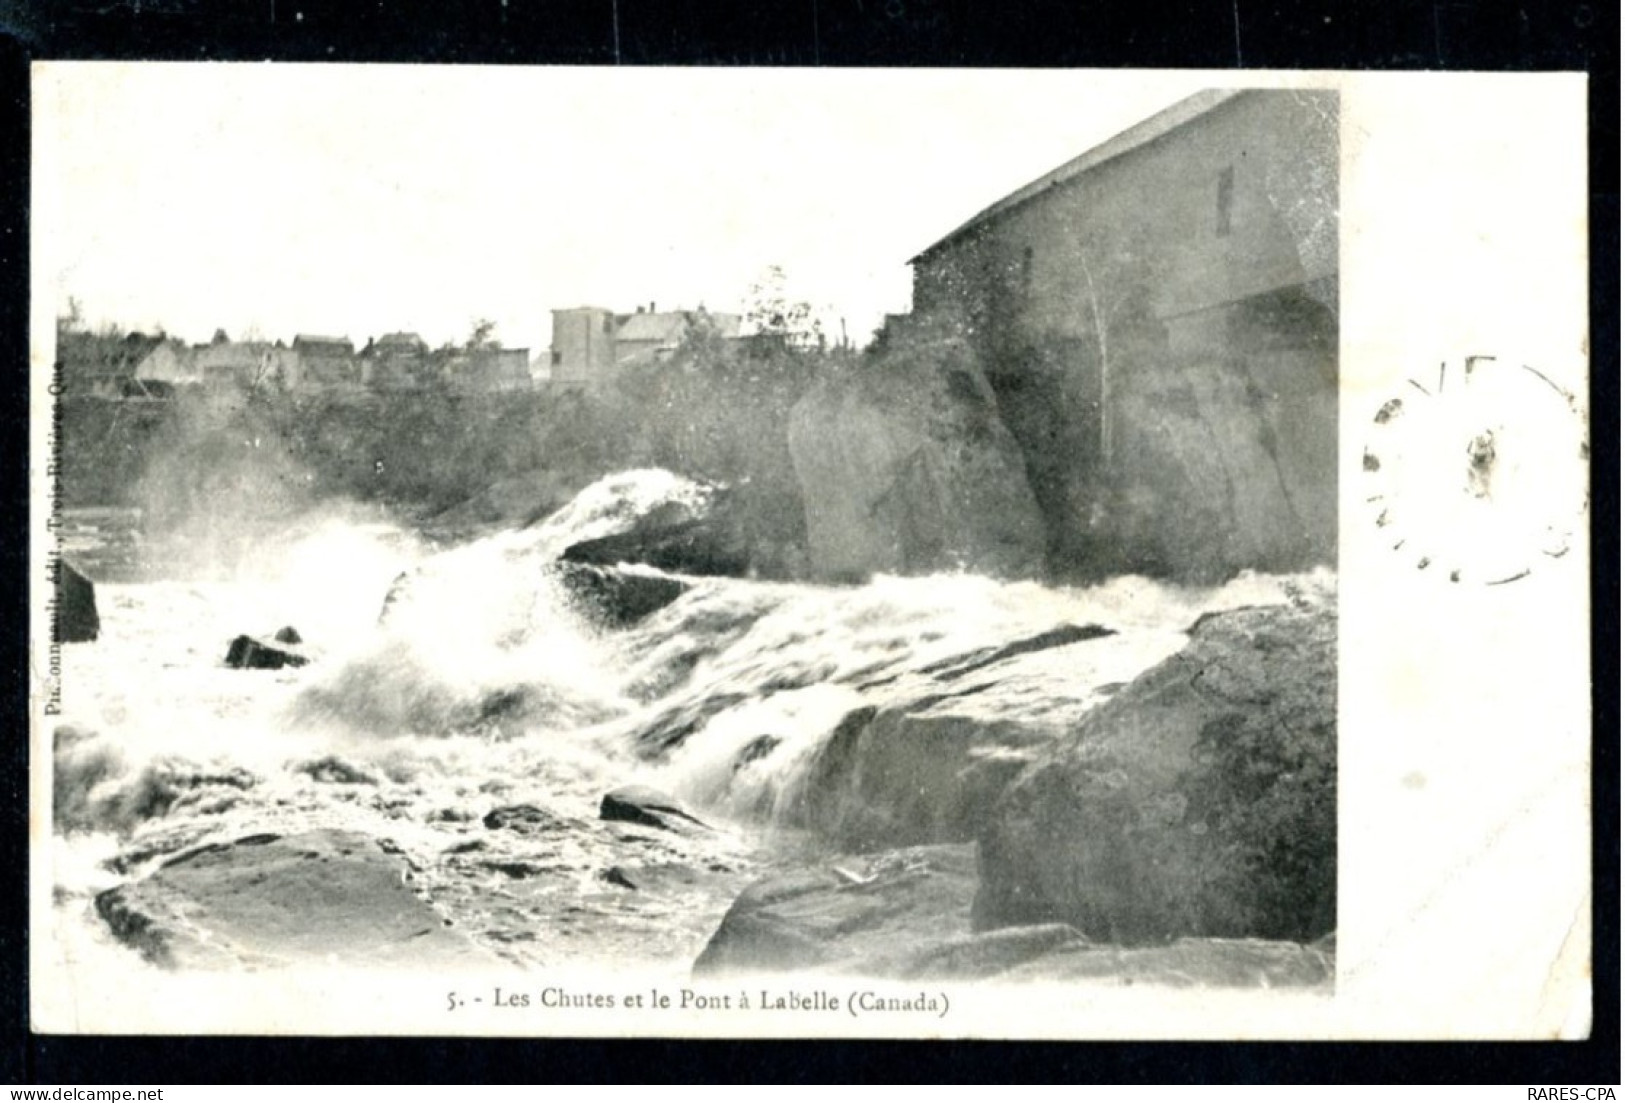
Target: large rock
{"x": 1185, "y": 963}
{"x": 650, "y": 808}
{"x": 906, "y": 915}
{"x": 905, "y": 467}
{"x": 673, "y": 539}
{"x": 615, "y": 598}
{"x": 840, "y": 914}
{"x": 74, "y": 619}
{"x": 929, "y": 765}
{"x": 267, "y": 653}
{"x": 1198, "y": 801}
{"x": 1224, "y": 464}
{"x": 319, "y": 898}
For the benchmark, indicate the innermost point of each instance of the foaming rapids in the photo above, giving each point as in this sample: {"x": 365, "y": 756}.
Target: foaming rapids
{"x": 446, "y": 685}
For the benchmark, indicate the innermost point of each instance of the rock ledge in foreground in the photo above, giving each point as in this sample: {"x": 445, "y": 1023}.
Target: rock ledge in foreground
{"x": 331, "y": 897}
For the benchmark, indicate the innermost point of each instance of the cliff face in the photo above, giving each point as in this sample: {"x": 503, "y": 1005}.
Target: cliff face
{"x": 905, "y": 467}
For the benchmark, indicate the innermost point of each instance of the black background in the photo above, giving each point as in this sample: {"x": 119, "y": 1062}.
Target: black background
{"x": 1314, "y": 34}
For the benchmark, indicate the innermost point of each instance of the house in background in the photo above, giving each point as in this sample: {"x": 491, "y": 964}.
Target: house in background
{"x": 395, "y": 362}
{"x": 590, "y": 344}
{"x": 245, "y": 364}
{"x": 326, "y": 363}
{"x": 103, "y": 365}
{"x": 170, "y": 364}
{"x": 1168, "y": 302}
{"x": 650, "y": 336}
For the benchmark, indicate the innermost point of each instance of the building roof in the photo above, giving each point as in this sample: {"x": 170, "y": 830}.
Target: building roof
{"x": 665, "y": 326}
{"x": 1140, "y": 134}
{"x": 668, "y": 327}
{"x": 400, "y": 340}
{"x": 230, "y": 354}
{"x": 310, "y": 340}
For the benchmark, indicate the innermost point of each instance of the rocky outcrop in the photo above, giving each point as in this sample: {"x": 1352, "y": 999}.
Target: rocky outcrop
{"x": 74, "y": 619}
{"x": 1186, "y": 963}
{"x": 1225, "y": 463}
{"x": 674, "y": 539}
{"x": 839, "y": 915}
{"x": 906, "y": 915}
{"x": 650, "y": 808}
{"x": 905, "y": 467}
{"x": 266, "y": 901}
{"x": 1199, "y": 801}
{"x": 929, "y": 766}
{"x": 615, "y": 598}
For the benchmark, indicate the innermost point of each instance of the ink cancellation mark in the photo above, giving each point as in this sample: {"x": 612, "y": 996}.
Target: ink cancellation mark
{"x": 1477, "y": 474}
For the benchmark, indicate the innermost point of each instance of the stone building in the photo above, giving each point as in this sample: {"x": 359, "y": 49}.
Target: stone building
{"x": 1158, "y": 319}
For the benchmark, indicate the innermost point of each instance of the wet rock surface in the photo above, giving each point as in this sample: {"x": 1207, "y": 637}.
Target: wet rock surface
{"x": 905, "y": 915}
{"x": 266, "y": 901}
{"x": 262, "y": 653}
{"x": 929, "y": 764}
{"x": 1199, "y": 801}
{"x": 74, "y": 620}
{"x": 845, "y": 914}
{"x": 616, "y": 598}
{"x": 707, "y": 541}
{"x": 649, "y": 808}
{"x": 1186, "y": 963}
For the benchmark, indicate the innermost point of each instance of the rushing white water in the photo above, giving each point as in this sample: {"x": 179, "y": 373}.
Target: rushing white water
{"x": 484, "y": 687}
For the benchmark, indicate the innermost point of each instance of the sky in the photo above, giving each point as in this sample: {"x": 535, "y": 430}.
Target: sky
{"x": 269, "y": 200}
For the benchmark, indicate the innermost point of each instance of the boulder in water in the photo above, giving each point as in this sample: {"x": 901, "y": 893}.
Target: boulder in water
{"x": 259, "y": 653}
{"x": 615, "y": 598}
{"x": 705, "y": 547}
{"x": 74, "y": 619}
{"x": 649, "y": 807}
{"x": 319, "y": 897}
{"x": 524, "y": 819}
{"x": 673, "y": 538}
{"x": 1198, "y": 801}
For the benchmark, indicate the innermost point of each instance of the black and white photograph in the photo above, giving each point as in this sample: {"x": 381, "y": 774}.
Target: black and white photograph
{"x": 872, "y": 553}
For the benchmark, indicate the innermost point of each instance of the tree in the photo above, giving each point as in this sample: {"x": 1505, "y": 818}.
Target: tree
{"x": 775, "y": 319}
{"x": 482, "y": 336}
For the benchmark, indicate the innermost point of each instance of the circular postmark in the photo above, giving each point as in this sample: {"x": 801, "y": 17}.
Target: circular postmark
{"x": 1478, "y": 473}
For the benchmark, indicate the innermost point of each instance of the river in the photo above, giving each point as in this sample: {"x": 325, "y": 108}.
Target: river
{"x": 485, "y": 688}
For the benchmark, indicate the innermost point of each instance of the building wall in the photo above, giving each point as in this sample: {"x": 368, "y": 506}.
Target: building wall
{"x": 1147, "y": 227}
{"x": 583, "y": 348}
{"x": 1161, "y": 332}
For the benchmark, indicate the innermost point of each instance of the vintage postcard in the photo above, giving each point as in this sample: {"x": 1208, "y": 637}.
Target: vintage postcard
{"x": 936, "y": 554}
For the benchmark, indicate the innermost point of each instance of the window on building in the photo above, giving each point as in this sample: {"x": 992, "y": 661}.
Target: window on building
{"x": 1227, "y": 194}
{"x": 558, "y": 357}
{"x": 1027, "y": 274}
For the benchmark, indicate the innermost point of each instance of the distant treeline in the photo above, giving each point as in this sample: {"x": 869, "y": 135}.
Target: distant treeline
{"x": 714, "y": 411}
